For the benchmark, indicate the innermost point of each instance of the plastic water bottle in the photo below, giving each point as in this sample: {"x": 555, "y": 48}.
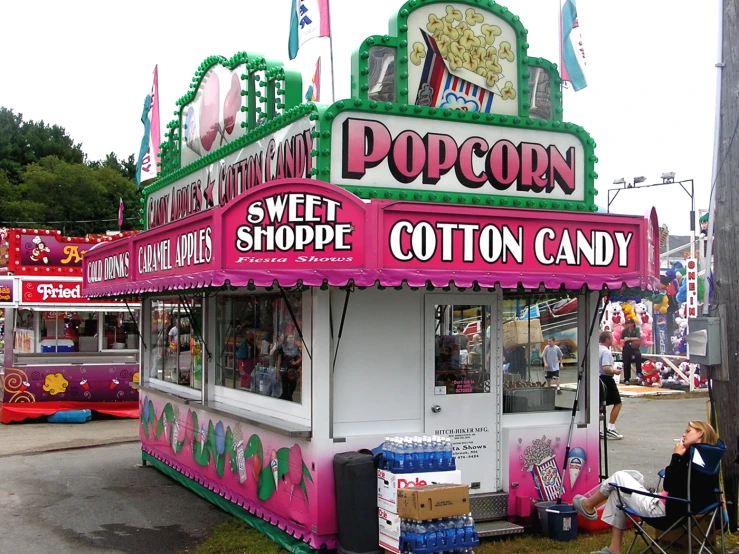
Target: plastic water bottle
{"x": 441, "y": 536}
{"x": 388, "y": 457}
{"x": 446, "y": 454}
{"x": 450, "y": 533}
{"x": 432, "y": 455}
{"x": 469, "y": 529}
{"x": 459, "y": 530}
{"x": 410, "y": 534}
{"x": 431, "y": 535}
{"x": 416, "y": 450}
{"x": 399, "y": 461}
{"x": 425, "y": 453}
{"x": 403, "y": 531}
{"x": 421, "y": 537}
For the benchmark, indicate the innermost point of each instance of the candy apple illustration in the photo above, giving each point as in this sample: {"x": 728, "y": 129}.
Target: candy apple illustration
{"x": 210, "y": 111}
{"x": 295, "y": 469}
{"x": 257, "y": 467}
{"x": 232, "y": 105}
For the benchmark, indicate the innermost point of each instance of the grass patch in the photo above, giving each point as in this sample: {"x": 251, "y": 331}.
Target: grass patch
{"x": 236, "y": 537}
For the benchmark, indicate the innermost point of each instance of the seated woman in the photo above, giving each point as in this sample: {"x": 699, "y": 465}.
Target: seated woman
{"x": 702, "y": 489}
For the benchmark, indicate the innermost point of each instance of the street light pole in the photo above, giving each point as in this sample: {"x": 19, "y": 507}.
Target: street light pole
{"x": 667, "y": 179}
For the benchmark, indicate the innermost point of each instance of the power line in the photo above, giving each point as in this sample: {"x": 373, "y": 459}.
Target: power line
{"x": 31, "y": 223}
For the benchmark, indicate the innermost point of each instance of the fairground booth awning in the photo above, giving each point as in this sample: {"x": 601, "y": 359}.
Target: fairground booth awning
{"x": 301, "y": 231}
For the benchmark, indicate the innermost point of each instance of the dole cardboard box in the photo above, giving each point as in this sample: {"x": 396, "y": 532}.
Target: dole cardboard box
{"x": 433, "y": 502}
{"x": 388, "y": 484}
{"x": 389, "y": 530}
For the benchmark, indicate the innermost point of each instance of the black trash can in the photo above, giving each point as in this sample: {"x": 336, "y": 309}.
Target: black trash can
{"x": 355, "y": 480}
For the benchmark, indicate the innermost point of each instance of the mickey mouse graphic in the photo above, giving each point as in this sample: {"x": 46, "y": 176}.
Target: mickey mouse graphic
{"x": 39, "y": 252}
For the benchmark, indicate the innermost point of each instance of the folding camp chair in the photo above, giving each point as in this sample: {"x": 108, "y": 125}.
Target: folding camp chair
{"x": 706, "y": 459}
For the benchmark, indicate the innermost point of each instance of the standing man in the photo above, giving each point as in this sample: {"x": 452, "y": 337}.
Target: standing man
{"x": 552, "y": 357}
{"x": 608, "y": 388}
{"x": 631, "y": 337}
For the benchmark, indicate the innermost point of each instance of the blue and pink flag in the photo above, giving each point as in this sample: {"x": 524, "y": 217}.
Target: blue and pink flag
{"x": 572, "y": 53}
{"x": 313, "y": 94}
{"x": 146, "y": 166}
{"x": 308, "y": 19}
{"x": 120, "y": 213}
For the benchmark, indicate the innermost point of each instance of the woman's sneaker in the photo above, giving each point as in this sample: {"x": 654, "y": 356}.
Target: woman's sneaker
{"x": 614, "y": 435}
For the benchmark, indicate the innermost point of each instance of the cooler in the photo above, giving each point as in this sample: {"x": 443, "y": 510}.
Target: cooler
{"x": 57, "y": 345}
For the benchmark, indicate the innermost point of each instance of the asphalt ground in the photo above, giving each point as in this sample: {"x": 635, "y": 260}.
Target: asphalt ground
{"x": 61, "y": 494}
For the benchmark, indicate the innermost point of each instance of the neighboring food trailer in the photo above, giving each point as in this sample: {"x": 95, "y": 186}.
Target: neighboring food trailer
{"x": 374, "y": 268}
{"x": 63, "y": 351}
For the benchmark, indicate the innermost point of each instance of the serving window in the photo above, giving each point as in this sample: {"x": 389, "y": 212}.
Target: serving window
{"x": 259, "y": 346}
{"x": 176, "y": 353}
{"x": 538, "y": 327}
{"x": 53, "y": 331}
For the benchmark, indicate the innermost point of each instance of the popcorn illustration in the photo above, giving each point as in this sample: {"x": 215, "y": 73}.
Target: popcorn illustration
{"x": 241, "y": 461}
{"x": 541, "y": 463}
{"x": 55, "y": 383}
{"x": 84, "y": 384}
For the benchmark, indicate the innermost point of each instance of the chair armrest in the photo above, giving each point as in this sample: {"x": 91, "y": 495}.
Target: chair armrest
{"x": 627, "y": 490}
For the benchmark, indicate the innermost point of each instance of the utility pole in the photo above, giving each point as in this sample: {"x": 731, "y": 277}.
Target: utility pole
{"x": 725, "y": 378}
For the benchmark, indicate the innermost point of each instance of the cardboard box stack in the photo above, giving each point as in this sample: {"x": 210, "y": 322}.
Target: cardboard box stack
{"x": 436, "y": 518}
{"x": 410, "y": 464}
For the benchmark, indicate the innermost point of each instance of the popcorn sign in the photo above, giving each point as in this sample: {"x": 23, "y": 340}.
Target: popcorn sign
{"x": 446, "y": 156}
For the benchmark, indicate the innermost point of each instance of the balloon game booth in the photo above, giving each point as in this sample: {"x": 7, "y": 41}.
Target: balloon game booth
{"x": 384, "y": 270}
{"x": 64, "y": 352}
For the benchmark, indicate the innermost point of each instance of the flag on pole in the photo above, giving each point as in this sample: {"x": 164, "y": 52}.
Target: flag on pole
{"x": 308, "y": 19}
{"x": 313, "y": 94}
{"x": 146, "y": 166}
{"x": 572, "y": 53}
{"x": 120, "y": 213}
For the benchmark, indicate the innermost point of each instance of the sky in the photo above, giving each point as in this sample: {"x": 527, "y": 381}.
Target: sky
{"x": 650, "y": 102}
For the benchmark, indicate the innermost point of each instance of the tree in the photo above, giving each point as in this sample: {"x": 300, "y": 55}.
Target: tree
{"x": 78, "y": 199}
{"x": 26, "y": 142}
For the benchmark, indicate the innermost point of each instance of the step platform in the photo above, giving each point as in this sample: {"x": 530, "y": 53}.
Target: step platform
{"x": 497, "y": 529}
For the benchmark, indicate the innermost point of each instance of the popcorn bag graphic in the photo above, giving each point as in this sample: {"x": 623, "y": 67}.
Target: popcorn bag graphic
{"x": 547, "y": 479}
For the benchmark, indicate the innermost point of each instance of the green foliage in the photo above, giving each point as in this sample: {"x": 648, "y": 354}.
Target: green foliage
{"x": 47, "y": 182}
{"x": 26, "y": 142}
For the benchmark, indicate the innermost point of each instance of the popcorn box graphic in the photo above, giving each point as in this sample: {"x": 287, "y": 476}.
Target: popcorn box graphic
{"x": 547, "y": 480}
{"x": 457, "y": 90}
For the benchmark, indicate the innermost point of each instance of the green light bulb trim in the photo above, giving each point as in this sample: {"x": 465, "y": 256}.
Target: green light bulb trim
{"x": 289, "y": 83}
{"x": 323, "y": 160}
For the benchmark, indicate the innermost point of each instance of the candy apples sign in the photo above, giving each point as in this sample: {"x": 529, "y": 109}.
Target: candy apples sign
{"x": 443, "y": 156}
{"x": 286, "y": 153}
